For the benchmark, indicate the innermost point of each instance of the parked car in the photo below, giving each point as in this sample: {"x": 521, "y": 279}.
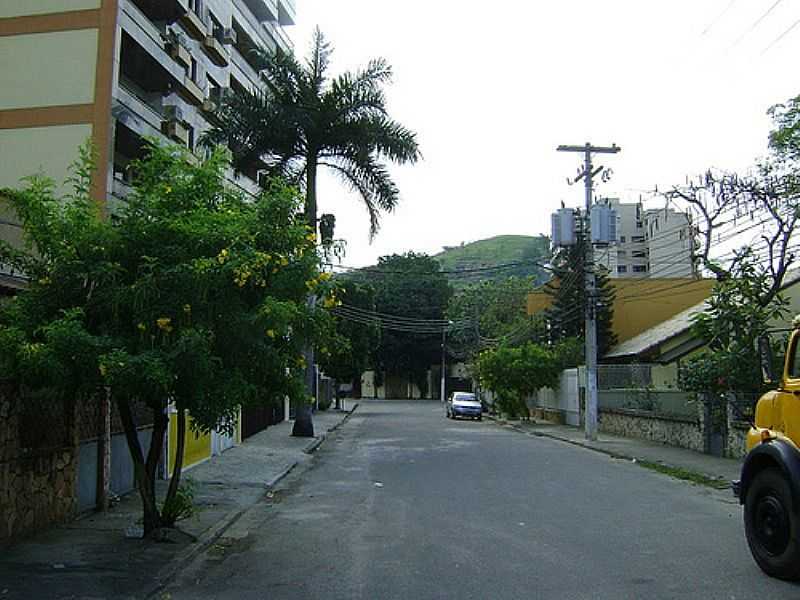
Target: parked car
{"x": 463, "y": 404}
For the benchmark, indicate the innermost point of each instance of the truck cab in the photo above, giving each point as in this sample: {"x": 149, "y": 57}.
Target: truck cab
{"x": 769, "y": 487}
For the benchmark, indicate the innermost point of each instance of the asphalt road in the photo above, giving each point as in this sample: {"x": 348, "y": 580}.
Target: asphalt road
{"x": 403, "y": 503}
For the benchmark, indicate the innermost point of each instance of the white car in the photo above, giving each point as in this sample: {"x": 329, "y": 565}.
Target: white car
{"x": 463, "y": 404}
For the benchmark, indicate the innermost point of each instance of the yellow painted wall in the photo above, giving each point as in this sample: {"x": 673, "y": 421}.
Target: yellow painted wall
{"x": 197, "y": 447}
{"x": 22, "y": 8}
{"x": 46, "y": 150}
{"x": 642, "y": 303}
{"x": 48, "y": 69}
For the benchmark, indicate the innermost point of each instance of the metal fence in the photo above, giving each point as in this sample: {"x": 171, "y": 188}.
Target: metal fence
{"x": 624, "y": 377}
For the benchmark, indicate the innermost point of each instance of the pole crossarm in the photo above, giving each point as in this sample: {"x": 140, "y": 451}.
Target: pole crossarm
{"x": 612, "y": 149}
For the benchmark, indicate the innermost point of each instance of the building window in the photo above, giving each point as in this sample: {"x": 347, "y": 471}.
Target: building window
{"x": 639, "y": 254}
{"x": 639, "y": 225}
{"x": 640, "y": 268}
{"x": 621, "y": 253}
{"x": 637, "y": 239}
{"x": 622, "y": 269}
{"x": 622, "y": 239}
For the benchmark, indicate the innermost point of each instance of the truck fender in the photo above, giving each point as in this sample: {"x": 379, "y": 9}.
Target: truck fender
{"x": 772, "y": 453}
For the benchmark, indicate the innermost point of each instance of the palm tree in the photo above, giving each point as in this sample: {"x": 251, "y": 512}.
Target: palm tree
{"x": 303, "y": 120}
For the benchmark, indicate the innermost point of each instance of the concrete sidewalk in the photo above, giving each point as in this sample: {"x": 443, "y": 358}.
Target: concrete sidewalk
{"x": 93, "y": 558}
{"x": 721, "y": 470}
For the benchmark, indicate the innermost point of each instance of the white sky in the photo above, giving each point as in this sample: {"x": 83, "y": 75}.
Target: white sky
{"x": 491, "y": 88}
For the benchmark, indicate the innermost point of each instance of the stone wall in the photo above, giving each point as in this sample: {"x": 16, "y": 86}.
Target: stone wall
{"x": 37, "y": 484}
{"x": 684, "y": 433}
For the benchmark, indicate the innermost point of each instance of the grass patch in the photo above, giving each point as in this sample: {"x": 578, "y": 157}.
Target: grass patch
{"x": 685, "y": 475}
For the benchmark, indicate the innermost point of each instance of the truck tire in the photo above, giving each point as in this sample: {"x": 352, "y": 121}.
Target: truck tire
{"x": 771, "y": 525}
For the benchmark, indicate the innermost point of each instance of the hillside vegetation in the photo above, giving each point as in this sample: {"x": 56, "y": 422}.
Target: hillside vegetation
{"x": 475, "y": 259}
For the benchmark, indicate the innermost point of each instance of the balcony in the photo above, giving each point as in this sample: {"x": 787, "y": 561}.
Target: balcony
{"x": 162, "y": 10}
{"x": 192, "y": 22}
{"x": 286, "y": 12}
{"x": 264, "y": 10}
{"x": 191, "y": 92}
{"x": 214, "y": 46}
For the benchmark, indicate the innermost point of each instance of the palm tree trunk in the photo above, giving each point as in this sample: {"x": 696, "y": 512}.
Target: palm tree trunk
{"x": 303, "y": 424}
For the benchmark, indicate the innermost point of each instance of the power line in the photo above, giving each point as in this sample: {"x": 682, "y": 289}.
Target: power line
{"x": 754, "y": 25}
{"x": 719, "y": 17}
{"x": 780, "y": 37}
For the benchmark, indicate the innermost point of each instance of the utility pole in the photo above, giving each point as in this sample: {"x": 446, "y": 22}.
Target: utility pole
{"x": 587, "y": 175}
{"x": 444, "y": 337}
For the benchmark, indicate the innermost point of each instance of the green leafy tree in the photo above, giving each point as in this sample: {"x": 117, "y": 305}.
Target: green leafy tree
{"x": 350, "y": 353}
{"x": 409, "y": 286}
{"x": 514, "y": 374}
{"x": 567, "y": 314}
{"x": 303, "y": 120}
{"x": 192, "y": 294}
{"x": 498, "y": 309}
{"x": 731, "y": 324}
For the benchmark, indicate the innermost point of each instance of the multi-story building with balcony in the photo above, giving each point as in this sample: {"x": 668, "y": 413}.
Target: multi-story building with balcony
{"x": 116, "y": 72}
{"x": 650, "y": 243}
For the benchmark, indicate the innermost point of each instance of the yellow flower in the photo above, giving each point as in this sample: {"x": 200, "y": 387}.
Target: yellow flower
{"x": 44, "y": 281}
{"x": 325, "y": 276}
{"x": 141, "y": 327}
{"x": 271, "y": 333}
{"x": 165, "y": 324}
{"x": 169, "y": 189}
{"x": 284, "y": 261}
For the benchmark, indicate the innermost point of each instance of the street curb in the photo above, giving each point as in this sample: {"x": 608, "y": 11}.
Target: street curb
{"x": 312, "y": 447}
{"x": 579, "y": 444}
{"x": 211, "y": 535}
{"x": 216, "y": 531}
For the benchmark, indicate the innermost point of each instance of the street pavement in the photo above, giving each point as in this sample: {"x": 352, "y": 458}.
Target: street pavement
{"x": 91, "y": 558}
{"x": 402, "y": 503}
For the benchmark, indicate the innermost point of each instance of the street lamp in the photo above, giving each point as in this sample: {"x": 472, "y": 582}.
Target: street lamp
{"x": 444, "y": 338}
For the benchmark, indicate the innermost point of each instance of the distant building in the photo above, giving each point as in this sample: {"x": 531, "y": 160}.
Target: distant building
{"x": 650, "y": 243}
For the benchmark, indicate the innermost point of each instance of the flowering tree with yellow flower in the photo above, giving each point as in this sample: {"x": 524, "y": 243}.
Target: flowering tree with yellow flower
{"x": 193, "y": 294}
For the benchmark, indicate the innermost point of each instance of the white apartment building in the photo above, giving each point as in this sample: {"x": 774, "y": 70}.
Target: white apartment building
{"x": 650, "y": 243}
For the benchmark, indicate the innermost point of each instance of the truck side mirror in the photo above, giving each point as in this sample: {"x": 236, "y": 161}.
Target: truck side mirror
{"x": 766, "y": 359}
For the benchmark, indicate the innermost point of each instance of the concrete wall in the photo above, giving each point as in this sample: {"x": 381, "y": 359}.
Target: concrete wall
{"x": 19, "y": 8}
{"x": 40, "y": 150}
{"x": 643, "y": 302}
{"x": 50, "y": 56}
{"x": 121, "y": 480}
{"x": 37, "y": 487}
{"x": 558, "y": 405}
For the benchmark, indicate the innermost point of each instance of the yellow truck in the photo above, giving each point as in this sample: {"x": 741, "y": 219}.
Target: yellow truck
{"x": 769, "y": 485}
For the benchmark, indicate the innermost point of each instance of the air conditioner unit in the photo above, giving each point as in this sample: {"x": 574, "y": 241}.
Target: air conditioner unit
{"x": 229, "y": 36}
{"x": 172, "y": 112}
{"x": 176, "y": 130}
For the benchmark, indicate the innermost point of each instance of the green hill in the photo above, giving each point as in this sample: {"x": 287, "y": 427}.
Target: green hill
{"x": 476, "y": 259}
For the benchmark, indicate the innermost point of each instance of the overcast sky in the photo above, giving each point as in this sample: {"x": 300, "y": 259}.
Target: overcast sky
{"x": 491, "y": 88}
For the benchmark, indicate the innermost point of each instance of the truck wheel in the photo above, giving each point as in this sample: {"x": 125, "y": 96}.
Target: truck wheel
{"x": 771, "y": 525}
